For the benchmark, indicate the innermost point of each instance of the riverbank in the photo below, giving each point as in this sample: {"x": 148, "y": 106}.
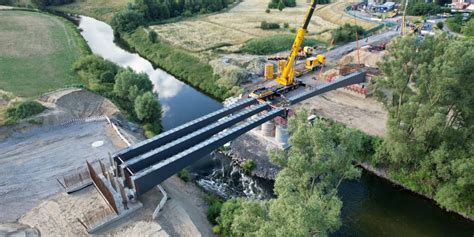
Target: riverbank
{"x": 250, "y": 147}
{"x": 177, "y": 62}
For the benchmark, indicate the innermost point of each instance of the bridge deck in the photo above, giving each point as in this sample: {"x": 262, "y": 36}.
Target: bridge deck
{"x": 154, "y": 156}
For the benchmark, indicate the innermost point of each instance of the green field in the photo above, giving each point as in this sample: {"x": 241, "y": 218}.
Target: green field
{"x": 37, "y": 52}
{"x": 100, "y": 9}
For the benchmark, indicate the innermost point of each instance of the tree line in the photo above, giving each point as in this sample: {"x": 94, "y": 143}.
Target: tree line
{"x": 142, "y": 12}
{"x": 428, "y": 90}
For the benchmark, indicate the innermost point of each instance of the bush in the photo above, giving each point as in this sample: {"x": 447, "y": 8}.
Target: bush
{"x": 127, "y": 21}
{"x": 214, "y": 210}
{"x": 216, "y": 229}
{"x": 268, "y": 10}
{"x": 455, "y": 23}
{"x": 248, "y": 166}
{"x": 269, "y": 25}
{"x": 184, "y": 175}
{"x": 440, "y": 25}
{"x": 347, "y": 33}
{"x": 274, "y": 44}
{"x": 152, "y": 36}
{"x": 286, "y": 25}
{"x": 23, "y": 110}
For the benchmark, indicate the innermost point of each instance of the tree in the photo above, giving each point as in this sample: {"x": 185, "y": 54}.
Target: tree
{"x": 468, "y": 29}
{"x": 440, "y": 25}
{"x": 429, "y": 98}
{"x": 319, "y": 159}
{"x": 127, "y": 82}
{"x": 281, "y": 5}
{"x": 127, "y": 21}
{"x": 147, "y": 108}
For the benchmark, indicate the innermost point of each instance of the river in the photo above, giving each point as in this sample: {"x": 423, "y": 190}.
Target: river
{"x": 372, "y": 206}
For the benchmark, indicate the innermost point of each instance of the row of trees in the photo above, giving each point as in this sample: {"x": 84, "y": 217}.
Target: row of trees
{"x": 44, "y": 3}
{"x": 422, "y": 8}
{"x": 144, "y": 11}
{"x": 319, "y": 159}
{"x": 131, "y": 91}
{"x": 429, "y": 94}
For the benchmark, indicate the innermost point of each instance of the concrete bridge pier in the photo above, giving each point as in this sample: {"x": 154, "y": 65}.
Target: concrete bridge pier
{"x": 282, "y": 135}
{"x": 268, "y": 129}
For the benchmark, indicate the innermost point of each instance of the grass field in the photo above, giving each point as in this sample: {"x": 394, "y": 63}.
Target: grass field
{"x": 37, "y": 52}
{"x": 241, "y": 23}
{"x": 100, "y": 9}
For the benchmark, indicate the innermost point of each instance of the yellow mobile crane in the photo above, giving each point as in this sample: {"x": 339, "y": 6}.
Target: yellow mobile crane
{"x": 287, "y": 75}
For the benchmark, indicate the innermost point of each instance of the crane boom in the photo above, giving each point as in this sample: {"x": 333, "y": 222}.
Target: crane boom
{"x": 287, "y": 75}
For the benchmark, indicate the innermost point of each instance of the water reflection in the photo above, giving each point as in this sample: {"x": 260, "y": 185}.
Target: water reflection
{"x": 180, "y": 102}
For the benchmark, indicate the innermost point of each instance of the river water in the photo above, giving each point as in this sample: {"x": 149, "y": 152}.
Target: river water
{"x": 372, "y": 206}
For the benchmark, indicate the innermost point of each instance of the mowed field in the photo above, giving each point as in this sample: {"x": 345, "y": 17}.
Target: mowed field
{"x": 37, "y": 52}
{"x": 100, "y": 9}
{"x": 242, "y": 22}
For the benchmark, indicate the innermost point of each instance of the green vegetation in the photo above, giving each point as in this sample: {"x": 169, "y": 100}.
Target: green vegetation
{"x": 37, "y": 52}
{"x": 143, "y": 12}
{"x": 177, "y": 62}
{"x": 264, "y": 25}
{"x": 428, "y": 147}
{"x": 214, "y": 209}
{"x": 347, "y": 33}
{"x": 319, "y": 159}
{"x": 468, "y": 29}
{"x": 422, "y": 8}
{"x": 280, "y": 4}
{"x": 130, "y": 91}
{"x": 455, "y": 23}
{"x": 127, "y": 21}
{"x": 274, "y": 44}
{"x": 22, "y": 110}
{"x": 99, "y": 9}
{"x": 440, "y": 25}
{"x": 247, "y": 166}
{"x": 184, "y": 175}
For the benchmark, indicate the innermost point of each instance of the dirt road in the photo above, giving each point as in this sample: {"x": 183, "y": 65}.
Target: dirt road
{"x": 30, "y": 162}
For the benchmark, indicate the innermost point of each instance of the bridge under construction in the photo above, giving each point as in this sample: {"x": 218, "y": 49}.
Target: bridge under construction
{"x": 142, "y": 166}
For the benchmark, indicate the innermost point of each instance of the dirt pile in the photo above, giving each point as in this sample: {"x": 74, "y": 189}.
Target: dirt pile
{"x": 370, "y": 59}
{"x": 75, "y": 103}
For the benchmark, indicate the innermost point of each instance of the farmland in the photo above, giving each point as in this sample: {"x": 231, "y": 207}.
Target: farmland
{"x": 36, "y": 53}
{"x": 241, "y": 23}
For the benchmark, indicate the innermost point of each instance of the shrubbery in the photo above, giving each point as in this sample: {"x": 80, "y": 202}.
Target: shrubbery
{"x": 269, "y": 25}
{"x": 214, "y": 209}
{"x": 22, "y": 110}
{"x": 274, "y": 44}
{"x": 184, "y": 175}
{"x": 421, "y": 8}
{"x": 281, "y": 4}
{"x": 455, "y": 23}
{"x": 347, "y": 33}
{"x": 248, "y": 166}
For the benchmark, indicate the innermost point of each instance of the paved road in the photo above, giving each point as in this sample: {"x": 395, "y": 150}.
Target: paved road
{"x": 30, "y": 163}
{"x": 340, "y": 51}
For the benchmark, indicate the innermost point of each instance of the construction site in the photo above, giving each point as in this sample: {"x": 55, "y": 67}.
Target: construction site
{"x": 81, "y": 168}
